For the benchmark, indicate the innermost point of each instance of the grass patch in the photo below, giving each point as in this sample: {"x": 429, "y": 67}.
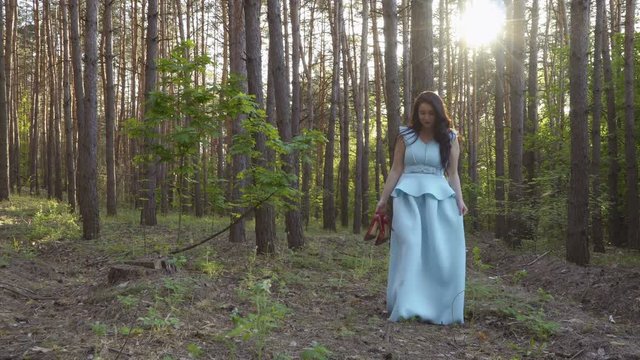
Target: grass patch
{"x": 54, "y": 221}
{"x": 523, "y": 315}
{"x": 617, "y": 257}
{"x": 264, "y": 315}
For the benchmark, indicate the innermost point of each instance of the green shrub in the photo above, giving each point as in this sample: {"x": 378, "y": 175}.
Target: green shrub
{"x": 53, "y": 221}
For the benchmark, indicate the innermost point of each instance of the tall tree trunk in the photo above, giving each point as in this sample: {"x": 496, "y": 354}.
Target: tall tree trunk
{"x": 405, "y": 16}
{"x": 442, "y": 45}
{"x": 68, "y": 122}
{"x": 366, "y": 151}
{"x": 390, "y": 15}
{"x": 56, "y": 124}
{"x": 182, "y": 184}
{"x": 359, "y": 98}
{"x": 517, "y": 120}
{"x": 615, "y": 222}
{"x": 406, "y": 59}
{"x": 52, "y": 98}
{"x": 615, "y": 7}
{"x": 109, "y": 109}
{"x": 328, "y": 198}
{"x": 293, "y": 218}
{"x": 205, "y": 159}
{"x": 88, "y": 131}
{"x": 306, "y": 166}
{"x": 449, "y": 58}
{"x": 501, "y": 222}
{"x": 34, "y": 134}
{"x": 54, "y": 186}
{"x": 12, "y": 87}
{"x": 236, "y": 56}
{"x": 296, "y": 116}
{"x": 380, "y": 160}
{"x": 4, "y": 119}
{"x": 220, "y": 163}
{"x": 532, "y": 101}
{"x": 76, "y": 62}
{"x": 344, "y": 114}
{"x": 265, "y": 228}
{"x": 421, "y": 46}
{"x": 135, "y": 191}
{"x": 10, "y": 100}
{"x": 597, "y": 232}
{"x": 577, "y": 227}
{"x": 148, "y": 213}
{"x": 199, "y": 159}
{"x": 633, "y": 210}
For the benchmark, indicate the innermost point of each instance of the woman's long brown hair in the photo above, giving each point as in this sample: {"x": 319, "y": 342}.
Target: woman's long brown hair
{"x": 443, "y": 127}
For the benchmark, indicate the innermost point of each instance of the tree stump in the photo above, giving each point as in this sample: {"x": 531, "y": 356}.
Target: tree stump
{"x": 135, "y": 269}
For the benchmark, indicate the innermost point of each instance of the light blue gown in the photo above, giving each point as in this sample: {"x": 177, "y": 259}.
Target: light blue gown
{"x": 427, "y": 260}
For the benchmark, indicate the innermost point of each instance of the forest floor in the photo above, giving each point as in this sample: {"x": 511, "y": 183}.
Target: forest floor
{"x": 325, "y": 301}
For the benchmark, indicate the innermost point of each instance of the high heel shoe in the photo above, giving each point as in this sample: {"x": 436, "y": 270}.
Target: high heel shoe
{"x": 374, "y": 227}
{"x": 385, "y": 230}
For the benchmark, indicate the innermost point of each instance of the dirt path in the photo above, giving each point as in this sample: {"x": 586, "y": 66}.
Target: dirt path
{"x": 326, "y": 301}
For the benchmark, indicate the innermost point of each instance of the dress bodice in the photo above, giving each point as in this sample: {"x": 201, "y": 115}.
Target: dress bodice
{"x": 420, "y": 156}
{"x": 423, "y": 171}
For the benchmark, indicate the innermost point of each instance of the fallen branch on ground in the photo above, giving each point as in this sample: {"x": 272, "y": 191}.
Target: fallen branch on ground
{"x": 536, "y": 259}
{"x": 242, "y": 216}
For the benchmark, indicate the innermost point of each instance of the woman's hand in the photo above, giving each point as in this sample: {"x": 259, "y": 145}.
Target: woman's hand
{"x": 381, "y": 207}
{"x": 462, "y": 207}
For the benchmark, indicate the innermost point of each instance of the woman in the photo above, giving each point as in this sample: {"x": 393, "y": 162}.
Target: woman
{"x": 427, "y": 260}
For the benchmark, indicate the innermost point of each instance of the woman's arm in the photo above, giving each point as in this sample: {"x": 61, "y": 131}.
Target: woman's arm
{"x": 454, "y": 178}
{"x": 397, "y": 168}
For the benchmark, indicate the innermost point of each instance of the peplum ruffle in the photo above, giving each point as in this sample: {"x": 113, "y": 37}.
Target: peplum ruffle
{"x": 421, "y": 184}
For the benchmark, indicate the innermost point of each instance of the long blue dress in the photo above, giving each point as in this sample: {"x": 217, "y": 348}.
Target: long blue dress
{"x": 427, "y": 260}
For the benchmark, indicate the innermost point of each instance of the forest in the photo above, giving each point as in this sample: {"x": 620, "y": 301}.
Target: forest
{"x": 192, "y": 179}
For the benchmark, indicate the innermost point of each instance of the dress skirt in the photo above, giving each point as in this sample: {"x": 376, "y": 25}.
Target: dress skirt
{"x": 427, "y": 261}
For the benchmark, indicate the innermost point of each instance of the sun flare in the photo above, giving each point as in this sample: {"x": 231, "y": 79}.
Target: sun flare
{"x": 481, "y": 22}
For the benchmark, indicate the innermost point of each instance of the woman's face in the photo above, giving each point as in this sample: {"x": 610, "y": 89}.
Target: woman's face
{"x": 427, "y": 115}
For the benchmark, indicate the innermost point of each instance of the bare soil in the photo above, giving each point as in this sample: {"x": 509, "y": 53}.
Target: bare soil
{"x": 56, "y": 303}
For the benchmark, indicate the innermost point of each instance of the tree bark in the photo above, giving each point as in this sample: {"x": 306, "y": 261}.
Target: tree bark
{"x": 306, "y": 165}
{"x": 238, "y": 67}
{"x": 4, "y": 119}
{"x": 633, "y": 210}
{"x": 442, "y": 45}
{"x": 148, "y": 213}
{"x": 380, "y": 160}
{"x": 501, "y": 221}
{"x": 530, "y": 156}
{"x": 52, "y": 96}
{"x": 421, "y": 46}
{"x": 597, "y": 232}
{"x": 68, "y": 121}
{"x": 34, "y": 134}
{"x": 265, "y": 227}
{"x": 577, "y": 227}
{"x": 76, "y": 61}
{"x": 109, "y": 109}
{"x": 136, "y": 192}
{"x": 359, "y": 96}
{"x": 406, "y": 59}
{"x": 517, "y": 121}
{"x": 13, "y": 88}
{"x": 615, "y": 222}
{"x": 293, "y": 218}
{"x": 88, "y": 131}
{"x": 328, "y": 198}
{"x": 343, "y": 165}
{"x": 10, "y": 100}
{"x": 390, "y": 15}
